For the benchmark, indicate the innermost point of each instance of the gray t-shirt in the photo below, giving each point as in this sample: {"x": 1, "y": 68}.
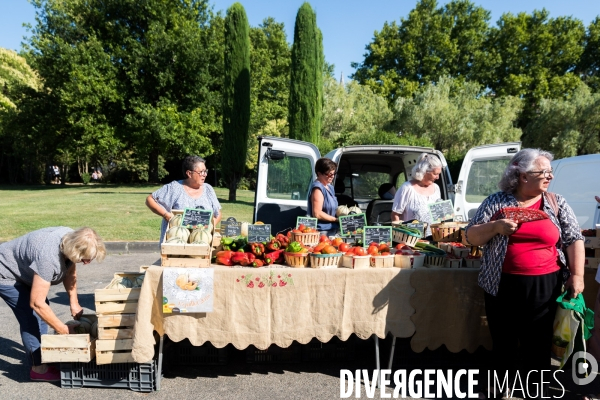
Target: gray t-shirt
{"x": 36, "y": 252}
{"x": 173, "y": 196}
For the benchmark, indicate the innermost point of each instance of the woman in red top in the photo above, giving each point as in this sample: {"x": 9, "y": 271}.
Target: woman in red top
{"x": 524, "y": 268}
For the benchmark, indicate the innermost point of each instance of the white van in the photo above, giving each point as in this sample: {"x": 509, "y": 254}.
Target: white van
{"x": 286, "y": 170}
{"x": 578, "y": 180}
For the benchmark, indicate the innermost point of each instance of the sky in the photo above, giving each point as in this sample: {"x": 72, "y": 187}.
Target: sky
{"x": 347, "y": 25}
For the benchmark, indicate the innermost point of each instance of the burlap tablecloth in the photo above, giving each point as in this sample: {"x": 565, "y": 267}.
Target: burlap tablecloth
{"x": 449, "y": 310}
{"x": 305, "y": 304}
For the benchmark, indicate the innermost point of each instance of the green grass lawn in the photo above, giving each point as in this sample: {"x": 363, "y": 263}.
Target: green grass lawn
{"x": 116, "y": 212}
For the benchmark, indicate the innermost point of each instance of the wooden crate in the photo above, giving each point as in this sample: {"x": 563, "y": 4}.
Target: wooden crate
{"x": 115, "y": 326}
{"x": 69, "y": 348}
{"x": 185, "y": 255}
{"x": 118, "y": 301}
{"x": 114, "y": 351}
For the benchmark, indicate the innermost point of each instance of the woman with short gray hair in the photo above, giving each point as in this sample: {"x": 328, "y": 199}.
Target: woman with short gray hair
{"x": 29, "y": 265}
{"x": 412, "y": 198}
{"x": 524, "y": 230}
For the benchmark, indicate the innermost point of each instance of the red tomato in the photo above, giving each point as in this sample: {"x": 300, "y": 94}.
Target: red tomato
{"x": 400, "y": 246}
{"x": 349, "y": 253}
{"x": 324, "y": 238}
{"x": 373, "y": 250}
{"x": 373, "y": 244}
{"x": 360, "y": 251}
{"x": 385, "y": 253}
{"x": 337, "y": 241}
{"x": 301, "y": 227}
{"x": 384, "y": 247}
{"x": 344, "y": 247}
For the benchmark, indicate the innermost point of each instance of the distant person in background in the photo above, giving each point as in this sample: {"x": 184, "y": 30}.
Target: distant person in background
{"x": 191, "y": 192}
{"x": 322, "y": 203}
{"x": 56, "y": 174}
{"x": 99, "y": 173}
{"x": 412, "y": 198}
{"x": 95, "y": 176}
{"x": 29, "y": 265}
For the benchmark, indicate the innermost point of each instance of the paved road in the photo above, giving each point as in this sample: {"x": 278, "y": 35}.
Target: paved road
{"x": 237, "y": 379}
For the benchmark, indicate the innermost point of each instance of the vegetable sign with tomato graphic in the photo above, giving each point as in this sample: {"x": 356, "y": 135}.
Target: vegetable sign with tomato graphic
{"x": 352, "y": 225}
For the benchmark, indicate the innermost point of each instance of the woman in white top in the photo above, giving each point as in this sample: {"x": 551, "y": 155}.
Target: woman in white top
{"x": 411, "y": 199}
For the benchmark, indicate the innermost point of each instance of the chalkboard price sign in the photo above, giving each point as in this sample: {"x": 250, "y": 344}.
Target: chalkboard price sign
{"x": 231, "y": 228}
{"x": 259, "y": 233}
{"x": 307, "y": 222}
{"x": 352, "y": 224}
{"x": 441, "y": 211}
{"x": 377, "y": 234}
{"x": 420, "y": 226}
{"x": 196, "y": 218}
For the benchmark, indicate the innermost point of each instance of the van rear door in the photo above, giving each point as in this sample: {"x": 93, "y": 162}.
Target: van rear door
{"x": 285, "y": 171}
{"x": 479, "y": 175}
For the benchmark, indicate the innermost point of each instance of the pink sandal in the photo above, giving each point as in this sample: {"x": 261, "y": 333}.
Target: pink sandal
{"x": 51, "y": 375}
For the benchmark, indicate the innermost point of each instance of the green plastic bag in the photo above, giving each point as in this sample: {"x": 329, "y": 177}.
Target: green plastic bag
{"x": 573, "y": 324}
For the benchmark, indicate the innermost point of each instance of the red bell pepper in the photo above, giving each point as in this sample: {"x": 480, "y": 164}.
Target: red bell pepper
{"x": 275, "y": 256}
{"x": 257, "y": 263}
{"x": 224, "y": 261}
{"x": 258, "y": 249}
{"x": 240, "y": 258}
{"x": 273, "y": 245}
{"x": 225, "y": 253}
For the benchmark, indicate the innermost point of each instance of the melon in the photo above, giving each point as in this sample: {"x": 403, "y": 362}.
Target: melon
{"x": 341, "y": 210}
{"x": 200, "y": 235}
{"x": 138, "y": 281}
{"x": 244, "y": 229}
{"x": 176, "y": 240}
{"x": 175, "y": 220}
{"x": 355, "y": 210}
{"x": 178, "y": 232}
{"x": 84, "y": 325}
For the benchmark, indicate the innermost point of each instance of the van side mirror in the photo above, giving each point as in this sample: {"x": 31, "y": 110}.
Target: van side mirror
{"x": 275, "y": 154}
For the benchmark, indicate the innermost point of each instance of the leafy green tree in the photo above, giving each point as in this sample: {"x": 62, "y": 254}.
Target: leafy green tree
{"x": 567, "y": 127}
{"x": 533, "y": 57}
{"x": 589, "y": 65}
{"x": 456, "y": 116}
{"x": 351, "y": 110}
{"x": 430, "y": 43}
{"x": 236, "y": 96}
{"x": 123, "y": 76}
{"x": 305, "y": 104}
{"x": 15, "y": 76}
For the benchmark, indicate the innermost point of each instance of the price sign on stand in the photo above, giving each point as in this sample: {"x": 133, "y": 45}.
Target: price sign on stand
{"x": 377, "y": 234}
{"x": 441, "y": 211}
{"x": 231, "y": 228}
{"x": 352, "y": 225}
{"x": 196, "y": 218}
{"x": 259, "y": 233}
{"x": 307, "y": 222}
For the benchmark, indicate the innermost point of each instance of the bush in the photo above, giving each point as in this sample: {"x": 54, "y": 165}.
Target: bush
{"x": 86, "y": 177}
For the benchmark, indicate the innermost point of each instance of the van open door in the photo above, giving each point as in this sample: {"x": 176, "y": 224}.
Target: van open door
{"x": 285, "y": 171}
{"x": 479, "y": 175}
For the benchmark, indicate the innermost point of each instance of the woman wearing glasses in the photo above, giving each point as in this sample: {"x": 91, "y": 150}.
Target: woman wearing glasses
{"x": 191, "y": 192}
{"x": 322, "y": 203}
{"x": 523, "y": 266}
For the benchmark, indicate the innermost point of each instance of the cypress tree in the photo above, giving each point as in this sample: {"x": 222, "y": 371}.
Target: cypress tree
{"x": 306, "y": 87}
{"x": 236, "y": 97}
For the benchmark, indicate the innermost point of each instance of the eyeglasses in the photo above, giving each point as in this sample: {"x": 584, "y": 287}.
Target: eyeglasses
{"x": 330, "y": 175}
{"x": 203, "y": 172}
{"x": 546, "y": 173}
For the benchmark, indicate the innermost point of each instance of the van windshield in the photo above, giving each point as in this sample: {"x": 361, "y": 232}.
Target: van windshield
{"x": 483, "y": 179}
{"x": 366, "y": 184}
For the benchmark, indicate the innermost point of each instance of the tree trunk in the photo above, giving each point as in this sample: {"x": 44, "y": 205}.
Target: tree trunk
{"x": 153, "y": 167}
{"x": 233, "y": 187}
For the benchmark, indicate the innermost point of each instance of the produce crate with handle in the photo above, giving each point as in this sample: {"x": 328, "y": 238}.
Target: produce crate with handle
{"x": 405, "y": 235}
{"x": 68, "y": 348}
{"x": 307, "y": 239}
{"x": 114, "y": 351}
{"x": 447, "y": 231}
{"x": 296, "y": 260}
{"x": 118, "y": 300}
{"x": 186, "y": 255}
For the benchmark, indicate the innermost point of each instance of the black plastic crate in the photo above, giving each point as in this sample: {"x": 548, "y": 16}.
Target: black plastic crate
{"x": 334, "y": 350}
{"x": 185, "y": 354}
{"x": 274, "y": 354}
{"x": 137, "y": 377}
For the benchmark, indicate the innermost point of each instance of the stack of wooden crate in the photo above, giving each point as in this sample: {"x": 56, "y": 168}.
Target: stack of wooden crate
{"x": 592, "y": 245}
{"x": 187, "y": 255}
{"x": 115, "y": 310}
